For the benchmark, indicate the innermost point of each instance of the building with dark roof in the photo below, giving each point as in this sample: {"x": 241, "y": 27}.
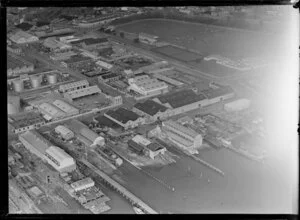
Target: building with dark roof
{"x": 182, "y": 101}
{"x": 218, "y": 94}
{"x": 26, "y": 121}
{"x": 136, "y": 147}
{"x": 110, "y": 77}
{"x": 94, "y": 42}
{"x": 124, "y": 117}
{"x": 76, "y": 61}
{"x": 155, "y": 149}
{"x": 151, "y": 110}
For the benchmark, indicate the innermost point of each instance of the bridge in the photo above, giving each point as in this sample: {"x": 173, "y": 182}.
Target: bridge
{"x": 120, "y": 189}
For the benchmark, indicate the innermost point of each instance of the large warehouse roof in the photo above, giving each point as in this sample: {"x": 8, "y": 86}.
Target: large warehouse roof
{"x": 58, "y": 154}
{"x": 50, "y": 110}
{"x": 84, "y": 92}
{"x": 123, "y": 115}
{"x": 150, "y": 107}
{"x": 187, "y": 131}
{"x": 64, "y": 106}
{"x": 36, "y": 140}
{"x": 181, "y": 98}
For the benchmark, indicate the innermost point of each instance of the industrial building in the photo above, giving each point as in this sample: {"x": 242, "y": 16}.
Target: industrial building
{"x": 152, "y": 110}
{"x": 54, "y": 45}
{"x": 104, "y": 65}
{"x": 26, "y": 121}
{"x": 153, "y": 149}
{"x": 83, "y": 184}
{"x": 136, "y": 147}
{"x": 147, "y": 38}
{"x": 60, "y": 160}
{"x": 65, "y": 132}
{"x": 146, "y": 86}
{"x": 22, "y": 37}
{"x": 35, "y": 143}
{"x": 168, "y": 79}
{"x": 79, "y": 93}
{"x": 17, "y": 65}
{"x": 91, "y": 43}
{"x": 14, "y": 49}
{"x": 50, "y": 111}
{"x": 110, "y": 77}
{"x": 218, "y": 94}
{"x": 182, "y": 101}
{"x": 76, "y": 61}
{"x": 73, "y": 86}
{"x": 124, "y": 117}
{"x": 237, "y": 105}
{"x": 65, "y": 107}
{"x": 184, "y": 137}
{"x": 89, "y": 137}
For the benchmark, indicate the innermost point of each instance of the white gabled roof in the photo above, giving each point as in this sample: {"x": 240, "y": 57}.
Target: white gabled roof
{"x": 58, "y": 154}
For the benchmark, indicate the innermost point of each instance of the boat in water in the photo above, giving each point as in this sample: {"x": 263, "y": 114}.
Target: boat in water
{"x": 138, "y": 210}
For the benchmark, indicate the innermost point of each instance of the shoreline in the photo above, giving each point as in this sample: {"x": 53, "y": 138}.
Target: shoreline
{"x": 196, "y": 23}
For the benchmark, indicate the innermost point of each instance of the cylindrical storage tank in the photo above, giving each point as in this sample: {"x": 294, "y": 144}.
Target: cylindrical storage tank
{"x": 35, "y": 82}
{"x": 52, "y": 78}
{"x": 18, "y": 85}
{"x": 13, "y": 105}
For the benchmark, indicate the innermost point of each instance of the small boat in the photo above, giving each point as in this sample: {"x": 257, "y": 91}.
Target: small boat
{"x": 138, "y": 210}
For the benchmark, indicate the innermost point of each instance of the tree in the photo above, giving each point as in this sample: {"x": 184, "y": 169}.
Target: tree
{"x": 122, "y": 34}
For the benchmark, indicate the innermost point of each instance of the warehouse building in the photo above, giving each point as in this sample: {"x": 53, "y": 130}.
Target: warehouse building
{"x": 237, "y": 105}
{"x": 88, "y": 136}
{"x": 146, "y": 86}
{"x": 65, "y": 132}
{"x": 16, "y": 66}
{"x": 65, "y": 107}
{"x": 184, "y": 137}
{"x": 56, "y": 46}
{"x": 51, "y": 111}
{"x": 182, "y": 101}
{"x": 152, "y": 149}
{"x": 79, "y": 93}
{"x": 167, "y": 79}
{"x": 152, "y": 110}
{"x": 139, "y": 149}
{"x": 22, "y": 37}
{"x": 110, "y": 77}
{"x": 35, "y": 143}
{"x": 26, "y": 121}
{"x": 218, "y": 94}
{"x": 83, "y": 184}
{"x": 124, "y": 117}
{"x": 104, "y": 65}
{"x": 73, "y": 86}
{"x": 76, "y": 61}
{"x": 91, "y": 43}
{"x": 60, "y": 160}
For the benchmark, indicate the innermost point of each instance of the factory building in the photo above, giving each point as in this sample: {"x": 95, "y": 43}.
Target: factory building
{"x": 237, "y": 105}
{"x": 218, "y": 94}
{"x": 22, "y": 37}
{"x": 76, "y": 61}
{"x": 16, "y": 65}
{"x": 104, "y": 65}
{"x": 65, "y": 107}
{"x": 65, "y": 132}
{"x": 136, "y": 147}
{"x": 88, "y": 136}
{"x": 152, "y": 110}
{"x": 73, "y": 86}
{"x": 56, "y": 46}
{"x": 125, "y": 118}
{"x": 148, "y": 38}
{"x": 168, "y": 79}
{"x": 60, "y": 160}
{"x": 146, "y": 86}
{"x": 110, "y": 77}
{"x": 92, "y": 43}
{"x": 83, "y": 184}
{"x": 26, "y": 121}
{"x": 51, "y": 111}
{"x": 184, "y": 137}
{"x": 79, "y": 93}
{"x": 35, "y": 143}
{"x": 182, "y": 101}
{"x": 152, "y": 149}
